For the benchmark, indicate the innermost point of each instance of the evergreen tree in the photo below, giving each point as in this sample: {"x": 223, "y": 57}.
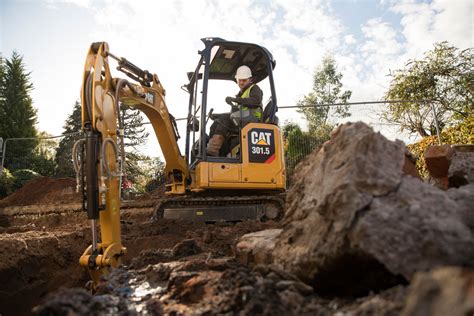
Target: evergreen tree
{"x": 17, "y": 115}
{"x": 72, "y": 129}
{"x": 327, "y": 89}
{"x": 135, "y": 136}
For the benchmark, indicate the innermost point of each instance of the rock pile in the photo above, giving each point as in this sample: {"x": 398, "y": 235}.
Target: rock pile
{"x": 355, "y": 220}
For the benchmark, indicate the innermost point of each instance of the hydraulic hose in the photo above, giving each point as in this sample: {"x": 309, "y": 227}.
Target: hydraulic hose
{"x": 88, "y": 95}
{"x": 77, "y": 164}
{"x": 105, "y": 163}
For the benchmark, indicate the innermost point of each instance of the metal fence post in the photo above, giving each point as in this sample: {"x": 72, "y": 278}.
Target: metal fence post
{"x": 436, "y": 123}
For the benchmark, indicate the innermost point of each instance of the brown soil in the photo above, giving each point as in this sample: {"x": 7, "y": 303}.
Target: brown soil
{"x": 44, "y": 190}
{"x": 40, "y": 248}
{"x": 172, "y": 267}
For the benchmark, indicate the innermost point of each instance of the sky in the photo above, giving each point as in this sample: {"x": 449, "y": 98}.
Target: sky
{"x": 368, "y": 39}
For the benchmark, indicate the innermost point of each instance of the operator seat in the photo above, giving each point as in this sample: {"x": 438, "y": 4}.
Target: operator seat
{"x": 267, "y": 113}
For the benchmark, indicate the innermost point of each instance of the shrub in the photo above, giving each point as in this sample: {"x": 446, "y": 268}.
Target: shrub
{"x": 6, "y": 183}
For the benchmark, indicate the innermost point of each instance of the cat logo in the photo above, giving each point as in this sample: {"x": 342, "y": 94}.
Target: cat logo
{"x": 261, "y": 144}
{"x": 261, "y": 138}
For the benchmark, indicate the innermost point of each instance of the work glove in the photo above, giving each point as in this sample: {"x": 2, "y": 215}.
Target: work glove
{"x": 229, "y": 100}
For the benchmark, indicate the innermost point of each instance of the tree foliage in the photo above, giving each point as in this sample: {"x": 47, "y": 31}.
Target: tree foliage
{"x": 72, "y": 133}
{"x": 445, "y": 76}
{"x": 327, "y": 89}
{"x": 135, "y": 136}
{"x": 7, "y": 181}
{"x": 155, "y": 177}
{"x": 17, "y": 114}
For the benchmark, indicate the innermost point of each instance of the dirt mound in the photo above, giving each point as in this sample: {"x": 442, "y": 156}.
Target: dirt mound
{"x": 44, "y": 190}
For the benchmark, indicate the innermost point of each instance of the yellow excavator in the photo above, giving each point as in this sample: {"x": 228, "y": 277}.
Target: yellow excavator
{"x": 243, "y": 183}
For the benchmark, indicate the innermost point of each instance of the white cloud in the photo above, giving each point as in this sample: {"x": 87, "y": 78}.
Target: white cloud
{"x": 426, "y": 23}
{"x": 80, "y": 3}
{"x": 349, "y": 39}
{"x": 164, "y": 37}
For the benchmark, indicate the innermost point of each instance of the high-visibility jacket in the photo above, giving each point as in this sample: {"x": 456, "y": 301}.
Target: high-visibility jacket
{"x": 249, "y": 114}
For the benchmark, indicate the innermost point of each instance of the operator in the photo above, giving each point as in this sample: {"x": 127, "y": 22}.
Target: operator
{"x": 246, "y": 108}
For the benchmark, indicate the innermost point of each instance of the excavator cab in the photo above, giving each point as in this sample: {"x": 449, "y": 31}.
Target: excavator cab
{"x": 252, "y": 157}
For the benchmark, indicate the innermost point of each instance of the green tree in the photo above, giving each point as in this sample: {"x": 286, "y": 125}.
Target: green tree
{"x": 135, "y": 136}
{"x": 154, "y": 170}
{"x": 445, "y": 76}
{"x": 72, "y": 133}
{"x": 17, "y": 114}
{"x": 327, "y": 89}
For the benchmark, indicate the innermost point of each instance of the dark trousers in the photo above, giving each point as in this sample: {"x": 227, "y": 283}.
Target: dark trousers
{"x": 222, "y": 126}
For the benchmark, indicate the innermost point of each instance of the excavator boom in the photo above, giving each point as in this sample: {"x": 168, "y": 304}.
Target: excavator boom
{"x": 101, "y": 153}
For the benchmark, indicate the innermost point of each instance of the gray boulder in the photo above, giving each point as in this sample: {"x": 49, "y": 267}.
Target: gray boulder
{"x": 461, "y": 168}
{"x": 355, "y": 220}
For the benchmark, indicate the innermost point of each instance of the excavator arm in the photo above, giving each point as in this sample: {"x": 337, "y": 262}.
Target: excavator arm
{"x": 99, "y": 157}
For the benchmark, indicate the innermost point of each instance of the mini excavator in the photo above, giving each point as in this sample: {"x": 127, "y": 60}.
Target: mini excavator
{"x": 244, "y": 183}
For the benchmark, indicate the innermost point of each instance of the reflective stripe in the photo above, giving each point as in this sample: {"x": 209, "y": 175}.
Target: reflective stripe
{"x": 246, "y": 94}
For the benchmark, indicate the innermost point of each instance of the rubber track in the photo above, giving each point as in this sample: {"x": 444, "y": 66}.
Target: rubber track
{"x": 220, "y": 201}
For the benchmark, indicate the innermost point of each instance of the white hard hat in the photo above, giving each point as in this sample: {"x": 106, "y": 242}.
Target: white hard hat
{"x": 243, "y": 72}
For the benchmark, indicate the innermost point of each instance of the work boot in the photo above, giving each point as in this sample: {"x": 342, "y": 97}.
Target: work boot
{"x": 214, "y": 145}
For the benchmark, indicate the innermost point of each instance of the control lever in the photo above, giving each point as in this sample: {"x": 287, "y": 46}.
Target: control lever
{"x": 209, "y": 115}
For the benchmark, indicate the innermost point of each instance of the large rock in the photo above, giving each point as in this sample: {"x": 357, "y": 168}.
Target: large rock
{"x": 461, "y": 168}
{"x": 257, "y": 248}
{"x": 355, "y": 220}
{"x": 464, "y": 197}
{"x": 444, "y": 291}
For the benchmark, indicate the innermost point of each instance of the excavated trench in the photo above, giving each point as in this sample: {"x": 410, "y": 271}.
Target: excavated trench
{"x": 40, "y": 244}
